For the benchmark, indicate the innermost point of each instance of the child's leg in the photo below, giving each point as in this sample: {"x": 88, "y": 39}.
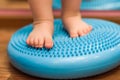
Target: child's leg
{"x": 72, "y": 18}
{"x": 43, "y": 24}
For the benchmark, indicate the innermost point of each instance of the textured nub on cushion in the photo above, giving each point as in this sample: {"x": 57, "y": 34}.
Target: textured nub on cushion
{"x": 92, "y": 54}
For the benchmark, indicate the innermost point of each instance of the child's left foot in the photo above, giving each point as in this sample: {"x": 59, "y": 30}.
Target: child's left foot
{"x": 76, "y": 27}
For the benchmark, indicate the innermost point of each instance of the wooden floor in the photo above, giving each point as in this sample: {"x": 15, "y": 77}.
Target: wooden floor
{"x": 8, "y": 72}
{"x": 13, "y": 4}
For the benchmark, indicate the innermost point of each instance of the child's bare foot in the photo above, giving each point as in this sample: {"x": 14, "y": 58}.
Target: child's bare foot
{"x": 41, "y": 36}
{"x": 75, "y": 26}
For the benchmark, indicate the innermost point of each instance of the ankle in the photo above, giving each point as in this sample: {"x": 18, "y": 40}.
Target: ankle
{"x": 73, "y": 17}
{"x": 68, "y": 17}
{"x": 39, "y": 21}
{"x": 48, "y": 24}
{"x": 70, "y": 14}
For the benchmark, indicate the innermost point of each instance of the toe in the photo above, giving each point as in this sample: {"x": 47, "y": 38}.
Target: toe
{"x": 28, "y": 41}
{"x": 41, "y": 42}
{"x": 85, "y": 31}
{"x": 82, "y": 34}
{"x": 90, "y": 27}
{"x": 31, "y": 41}
{"x": 73, "y": 34}
{"x": 48, "y": 42}
{"x": 36, "y": 42}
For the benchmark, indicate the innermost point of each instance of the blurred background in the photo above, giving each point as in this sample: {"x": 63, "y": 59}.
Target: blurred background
{"x": 18, "y": 11}
{"x": 93, "y": 4}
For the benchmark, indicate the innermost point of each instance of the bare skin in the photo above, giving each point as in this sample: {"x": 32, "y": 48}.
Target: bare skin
{"x": 72, "y": 18}
{"x": 41, "y": 36}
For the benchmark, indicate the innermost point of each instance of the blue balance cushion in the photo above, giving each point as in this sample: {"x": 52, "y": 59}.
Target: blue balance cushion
{"x": 95, "y": 53}
{"x": 93, "y": 4}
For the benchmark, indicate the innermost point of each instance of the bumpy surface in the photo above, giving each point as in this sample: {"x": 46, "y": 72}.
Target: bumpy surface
{"x": 93, "y": 4}
{"x": 68, "y": 54}
{"x": 100, "y": 39}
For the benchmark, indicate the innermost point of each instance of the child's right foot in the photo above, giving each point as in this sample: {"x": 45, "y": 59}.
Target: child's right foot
{"x": 41, "y": 36}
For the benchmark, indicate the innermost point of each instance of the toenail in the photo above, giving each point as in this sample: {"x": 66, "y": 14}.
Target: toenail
{"x": 73, "y": 34}
{"x": 27, "y": 42}
{"x": 82, "y": 34}
{"x": 40, "y": 45}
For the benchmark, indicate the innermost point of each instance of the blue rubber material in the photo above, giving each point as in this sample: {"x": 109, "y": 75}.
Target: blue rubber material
{"x": 93, "y": 4}
{"x": 95, "y": 53}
